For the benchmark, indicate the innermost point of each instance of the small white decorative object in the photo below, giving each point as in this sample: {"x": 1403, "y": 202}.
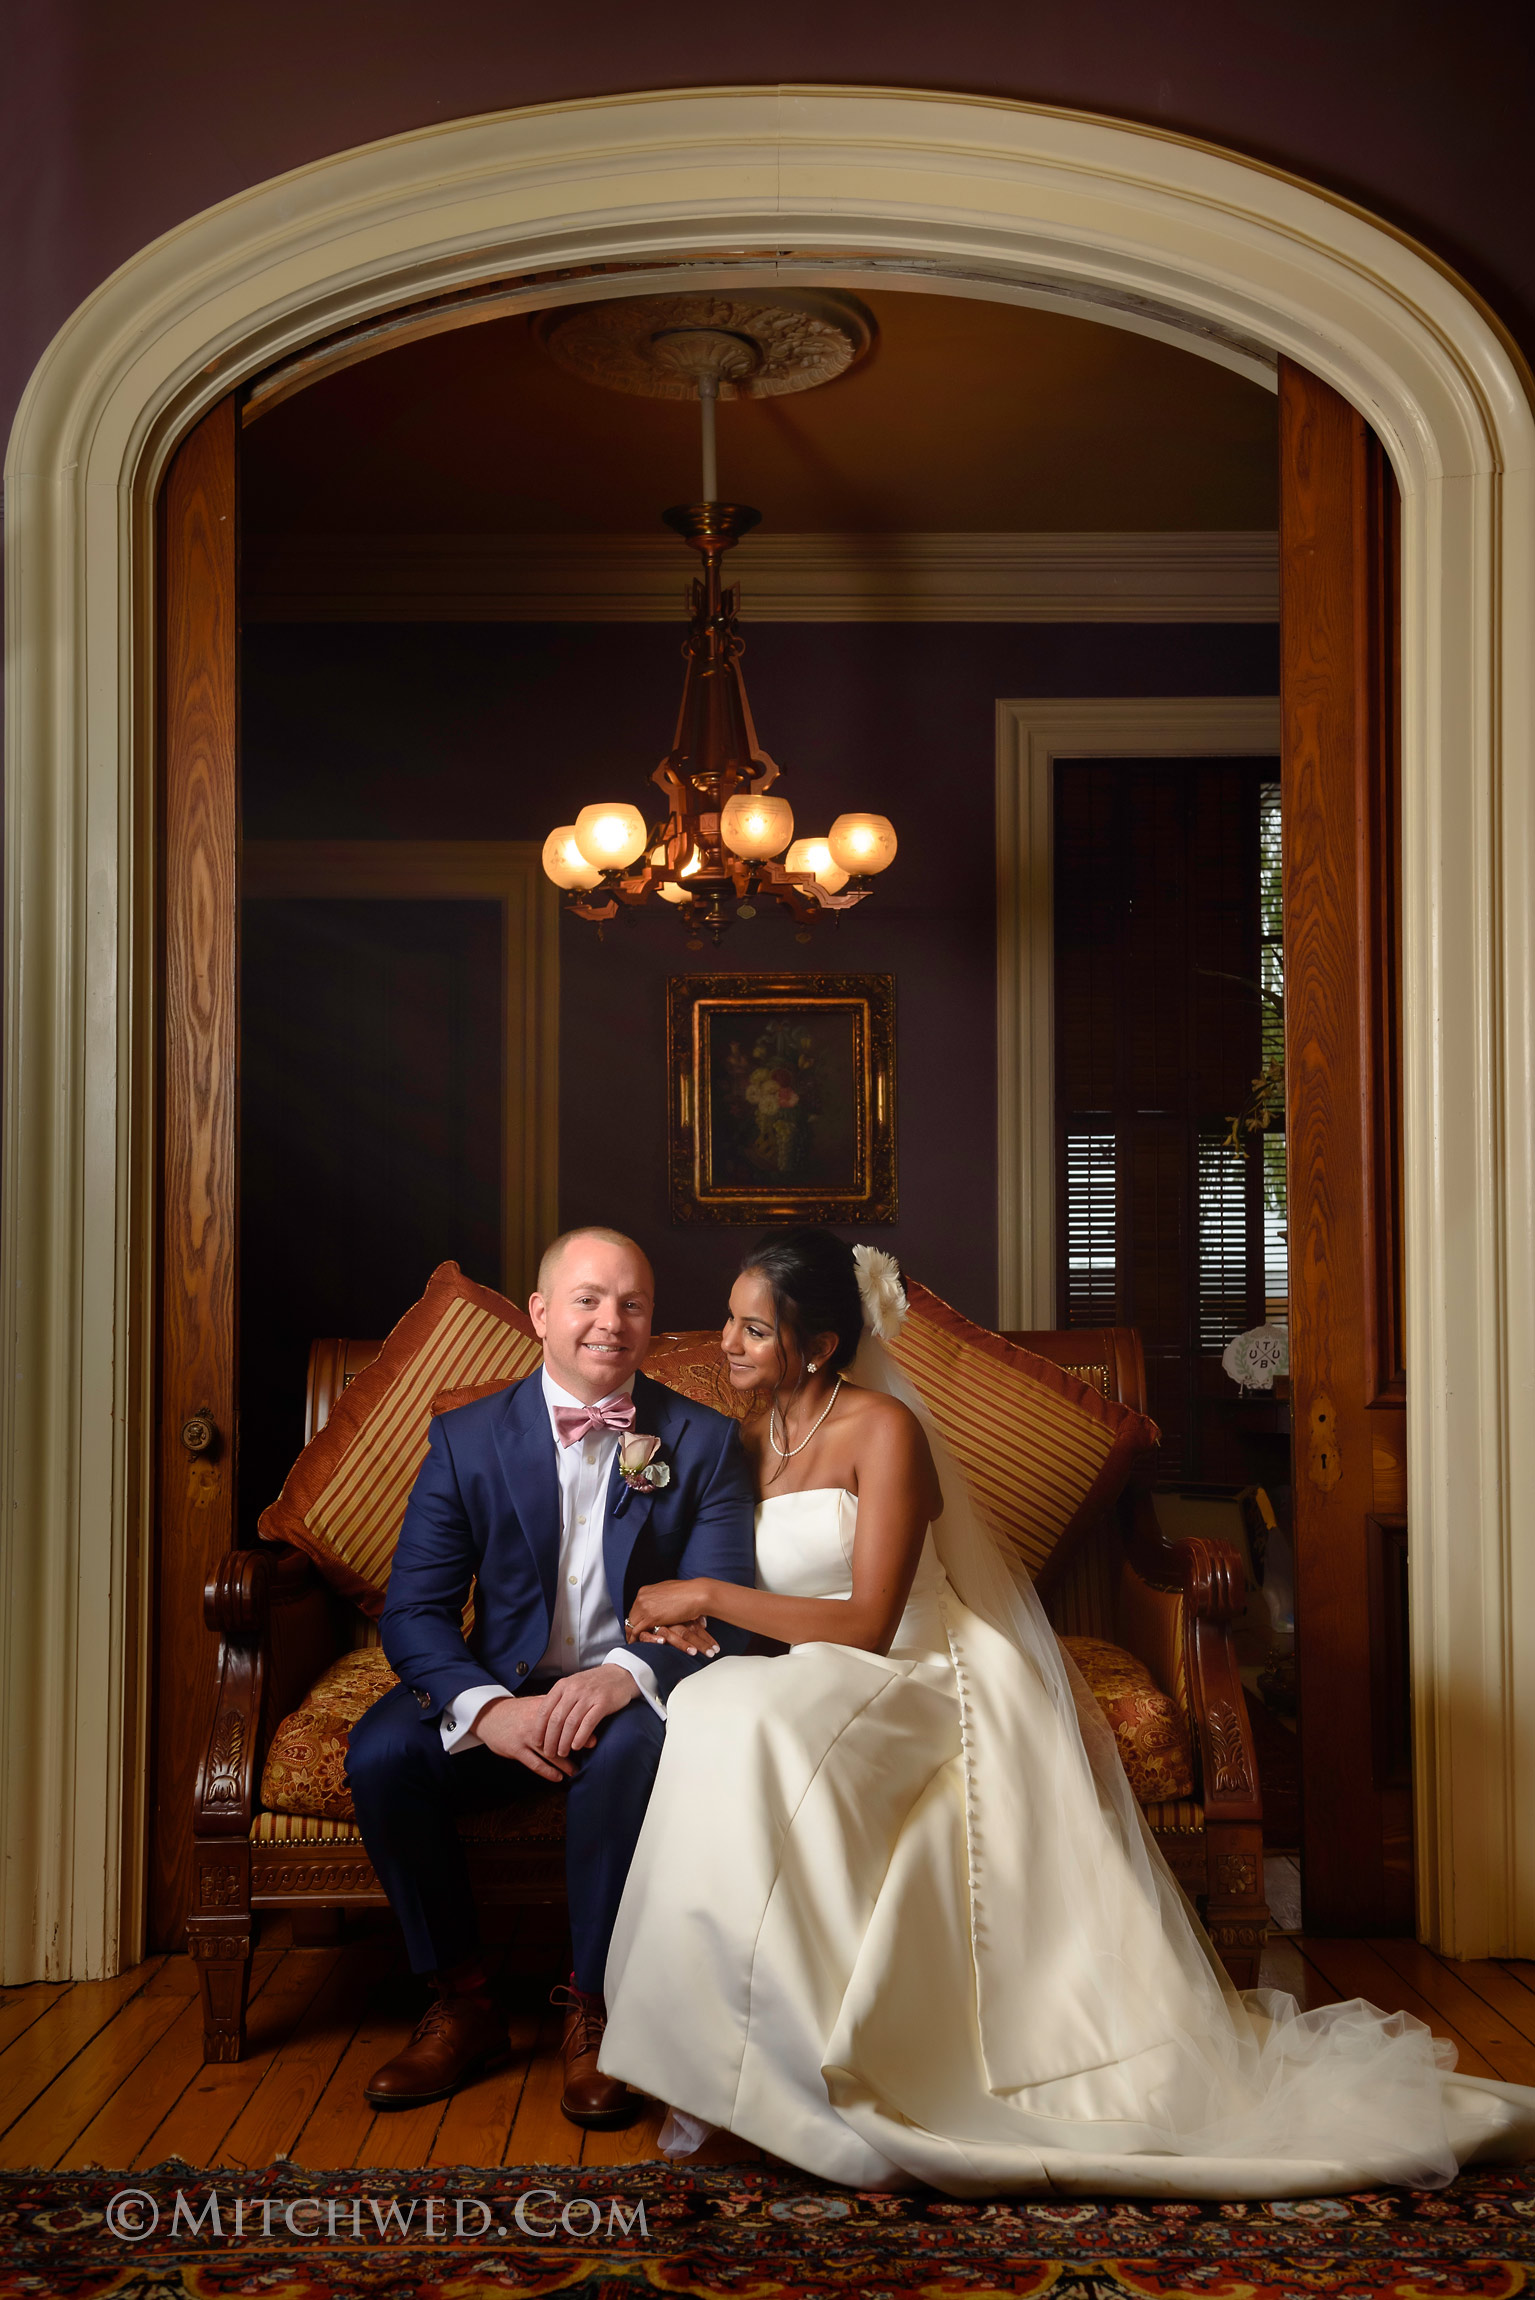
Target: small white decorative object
{"x": 1254, "y": 1358}
{"x": 884, "y": 1296}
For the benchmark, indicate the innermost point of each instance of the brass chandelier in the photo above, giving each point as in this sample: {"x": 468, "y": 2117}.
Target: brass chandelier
{"x": 716, "y": 849}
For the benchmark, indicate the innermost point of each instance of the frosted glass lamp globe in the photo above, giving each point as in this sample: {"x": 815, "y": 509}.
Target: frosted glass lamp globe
{"x": 564, "y": 862}
{"x": 755, "y": 827}
{"x": 814, "y": 855}
{"x": 610, "y": 836}
{"x": 864, "y": 843}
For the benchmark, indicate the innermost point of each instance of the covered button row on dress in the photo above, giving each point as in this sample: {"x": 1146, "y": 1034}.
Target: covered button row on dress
{"x": 967, "y": 1762}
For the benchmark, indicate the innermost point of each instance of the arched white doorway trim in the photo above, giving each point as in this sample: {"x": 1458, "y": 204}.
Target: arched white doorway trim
{"x": 992, "y": 199}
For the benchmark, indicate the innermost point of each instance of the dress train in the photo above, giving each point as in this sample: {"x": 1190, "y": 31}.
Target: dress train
{"x": 896, "y": 1917}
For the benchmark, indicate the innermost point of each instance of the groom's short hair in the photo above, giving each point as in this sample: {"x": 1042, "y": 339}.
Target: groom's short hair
{"x": 554, "y": 1253}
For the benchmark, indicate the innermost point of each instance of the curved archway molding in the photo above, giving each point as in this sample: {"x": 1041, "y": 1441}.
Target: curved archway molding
{"x": 982, "y": 198}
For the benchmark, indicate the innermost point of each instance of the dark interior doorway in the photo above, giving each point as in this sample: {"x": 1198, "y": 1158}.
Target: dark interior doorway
{"x": 1170, "y": 1157}
{"x": 1168, "y": 966}
{"x": 371, "y": 1101}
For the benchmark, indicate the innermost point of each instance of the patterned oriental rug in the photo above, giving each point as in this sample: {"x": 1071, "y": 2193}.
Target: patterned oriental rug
{"x": 613, "y": 2233}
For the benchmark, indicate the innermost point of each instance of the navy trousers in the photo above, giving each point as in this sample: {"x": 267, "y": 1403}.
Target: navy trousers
{"x": 408, "y": 1793}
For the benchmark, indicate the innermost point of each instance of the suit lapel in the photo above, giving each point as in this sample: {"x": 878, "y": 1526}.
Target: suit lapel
{"x": 658, "y": 1412}
{"x": 525, "y": 1444}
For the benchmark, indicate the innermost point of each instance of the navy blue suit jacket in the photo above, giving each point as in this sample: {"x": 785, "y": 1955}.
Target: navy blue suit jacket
{"x": 485, "y": 1508}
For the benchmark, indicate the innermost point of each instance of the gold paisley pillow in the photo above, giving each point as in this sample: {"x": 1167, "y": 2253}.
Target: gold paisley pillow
{"x": 305, "y": 1770}
{"x": 694, "y": 1366}
{"x": 1148, "y": 1724}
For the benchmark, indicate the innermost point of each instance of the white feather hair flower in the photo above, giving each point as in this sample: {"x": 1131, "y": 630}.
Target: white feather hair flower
{"x": 884, "y": 1296}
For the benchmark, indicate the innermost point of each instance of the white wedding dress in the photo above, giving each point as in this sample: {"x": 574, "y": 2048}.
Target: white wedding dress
{"x": 895, "y": 1917}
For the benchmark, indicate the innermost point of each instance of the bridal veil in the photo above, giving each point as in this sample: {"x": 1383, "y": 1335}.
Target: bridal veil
{"x": 1107, "y": 2026}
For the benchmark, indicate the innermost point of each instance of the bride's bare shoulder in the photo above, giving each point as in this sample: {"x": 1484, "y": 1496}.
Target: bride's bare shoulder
{"x": 883, "y": 1419}
{"x": 890, "y": 1442}
{"x": 878, "y": 1406}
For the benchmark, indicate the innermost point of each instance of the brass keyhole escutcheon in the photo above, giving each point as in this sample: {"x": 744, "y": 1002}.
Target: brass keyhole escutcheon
{"x": 198, "y": 1431}
{"x": 1324, "y": 1465}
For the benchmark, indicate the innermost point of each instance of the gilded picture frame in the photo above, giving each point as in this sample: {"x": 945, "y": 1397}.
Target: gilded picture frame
{"x": 781, "y": 1098}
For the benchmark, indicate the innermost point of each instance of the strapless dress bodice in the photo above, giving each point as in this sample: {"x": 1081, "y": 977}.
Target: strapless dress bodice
{"x": 805, "y": 1549}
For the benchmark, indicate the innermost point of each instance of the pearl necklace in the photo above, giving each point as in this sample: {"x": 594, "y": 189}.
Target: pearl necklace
{"x": 809, "y": 1434}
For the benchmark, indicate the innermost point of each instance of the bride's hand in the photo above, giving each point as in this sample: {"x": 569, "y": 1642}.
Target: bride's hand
{"x": 687, "y": 1636}
{"x": 675, "y": 1609}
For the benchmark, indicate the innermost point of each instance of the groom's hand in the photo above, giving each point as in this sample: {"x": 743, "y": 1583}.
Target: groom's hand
{"x": 575, "y": 1706}
{"x": 516, "y": 1728}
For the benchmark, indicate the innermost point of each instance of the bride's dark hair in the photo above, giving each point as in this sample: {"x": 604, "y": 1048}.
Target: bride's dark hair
{"x": 813, "y": 1280}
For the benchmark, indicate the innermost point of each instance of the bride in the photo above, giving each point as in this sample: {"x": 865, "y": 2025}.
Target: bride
{"x": 894, "y": 1914}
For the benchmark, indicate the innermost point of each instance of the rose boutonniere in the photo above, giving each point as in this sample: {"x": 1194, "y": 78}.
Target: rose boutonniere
{"x": 640, "y": 1465}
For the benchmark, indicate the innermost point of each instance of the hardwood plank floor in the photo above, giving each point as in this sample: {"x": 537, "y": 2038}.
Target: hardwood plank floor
{"x": 43, "y": 2053}
{"x": 1286, "y": 1966}
{"x": 194, "y": 2124}
{"x": 110, "y": 2072}
{"x": 1508, "y": 2053}
{"x": 1357, "y": 1969}
{"x": 297, "y": 2074}
{"x": 478, "y": 2121}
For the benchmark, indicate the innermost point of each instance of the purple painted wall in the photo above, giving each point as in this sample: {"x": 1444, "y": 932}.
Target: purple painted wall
{"x": 498, "y": 731}
{"x": 117, "y": 122}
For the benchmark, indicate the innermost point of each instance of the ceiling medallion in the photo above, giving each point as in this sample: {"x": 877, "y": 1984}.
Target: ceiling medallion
{"x": 716, "y": 848}
{"x": 761, "y": 346}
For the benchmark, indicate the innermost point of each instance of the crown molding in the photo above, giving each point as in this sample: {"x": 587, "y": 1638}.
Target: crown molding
{"x": 920, "y": 578}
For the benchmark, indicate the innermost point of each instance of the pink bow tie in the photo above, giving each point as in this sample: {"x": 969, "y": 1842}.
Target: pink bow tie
{"x": 573, "y": 1422}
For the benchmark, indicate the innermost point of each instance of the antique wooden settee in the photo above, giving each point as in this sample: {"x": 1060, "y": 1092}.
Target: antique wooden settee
{"x": 1119, "y": 1583}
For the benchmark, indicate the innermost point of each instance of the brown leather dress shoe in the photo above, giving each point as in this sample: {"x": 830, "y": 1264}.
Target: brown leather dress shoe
{"x": 601, "y": 2103}
{"x": 461, "y": 2034}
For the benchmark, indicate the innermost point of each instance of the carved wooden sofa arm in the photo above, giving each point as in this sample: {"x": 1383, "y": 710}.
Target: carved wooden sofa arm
{"x": 276, "y": 1632}
{"x": 1208, "y": 1578}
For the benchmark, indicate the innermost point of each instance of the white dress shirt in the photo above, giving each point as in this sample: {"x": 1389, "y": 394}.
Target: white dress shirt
{"x": 584, "y": 1631}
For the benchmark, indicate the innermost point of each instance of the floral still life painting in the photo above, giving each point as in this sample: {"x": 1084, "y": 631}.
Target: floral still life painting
{"x": 782, "y": 1098}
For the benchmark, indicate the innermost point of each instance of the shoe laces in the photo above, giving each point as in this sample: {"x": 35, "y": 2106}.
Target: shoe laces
{"x": 437, "y": 2020}
{"x": 590, "y": 2018}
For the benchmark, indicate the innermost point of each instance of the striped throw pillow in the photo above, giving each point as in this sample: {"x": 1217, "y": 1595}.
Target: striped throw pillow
{"x": 344, "y": 1499}
{"x": 1041, "y": 1451}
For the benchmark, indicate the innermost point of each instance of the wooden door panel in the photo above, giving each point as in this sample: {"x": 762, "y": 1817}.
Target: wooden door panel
{"x": 197, "y": 1051}
{"x": 1337, "y": 684}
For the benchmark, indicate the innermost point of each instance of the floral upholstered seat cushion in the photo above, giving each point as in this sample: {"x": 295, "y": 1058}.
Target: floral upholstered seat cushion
{"x": 1148, "y": 1724}
{"x": 303, "y": 1783}
{"x": 305, "y": 1770}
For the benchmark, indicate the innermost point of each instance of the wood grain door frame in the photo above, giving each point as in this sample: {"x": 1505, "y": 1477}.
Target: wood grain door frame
{"x": 1014, "y": 202}
{"x": 197, "y": 1043}
{"x": 1348, "y": 1389}
{"x": 1031, "y": 736}
{"x": 507, "y": 872}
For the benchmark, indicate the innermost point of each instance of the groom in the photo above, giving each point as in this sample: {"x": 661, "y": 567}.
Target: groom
{"x": 534, "y": 1496}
